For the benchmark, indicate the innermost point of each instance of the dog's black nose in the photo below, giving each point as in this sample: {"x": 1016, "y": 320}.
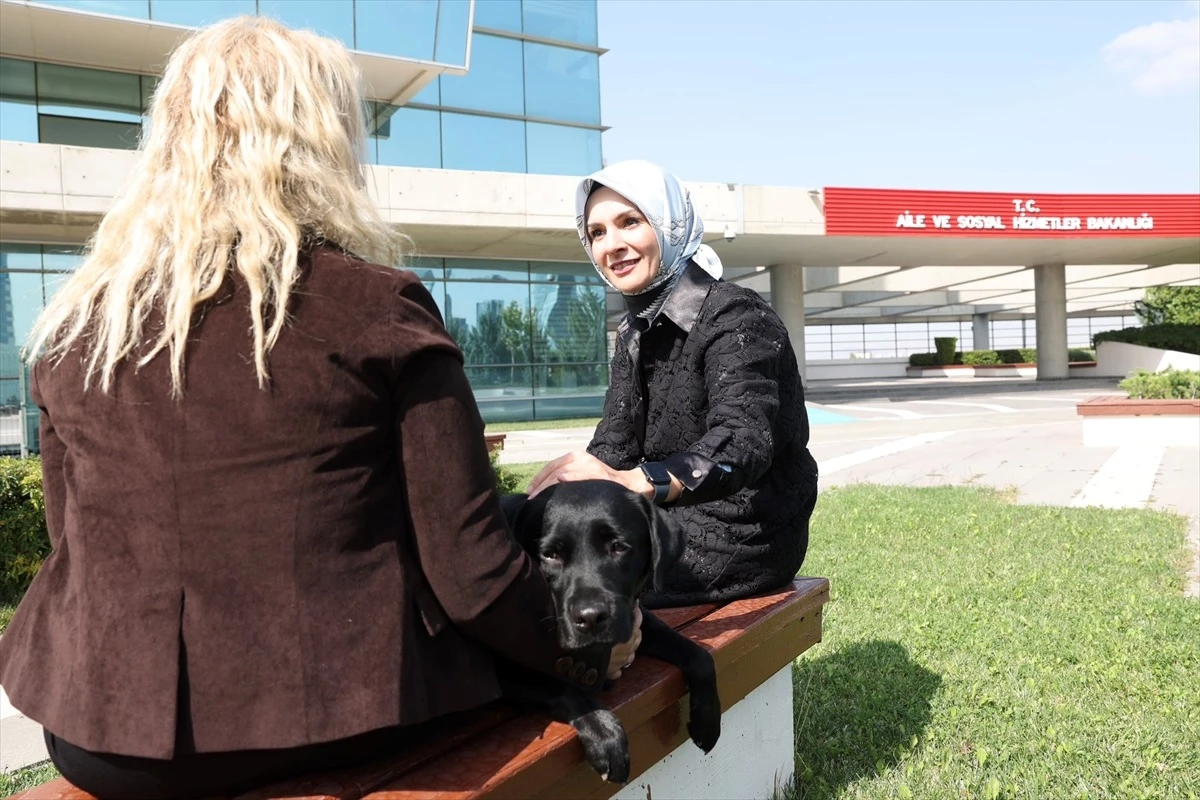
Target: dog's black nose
{"x": 590, "y": 617}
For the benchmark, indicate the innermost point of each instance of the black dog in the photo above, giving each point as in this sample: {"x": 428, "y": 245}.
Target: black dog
{"x": 599, "y": 545}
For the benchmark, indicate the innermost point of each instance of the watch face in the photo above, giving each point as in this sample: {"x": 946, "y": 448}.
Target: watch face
{"x": 656, "y": 474}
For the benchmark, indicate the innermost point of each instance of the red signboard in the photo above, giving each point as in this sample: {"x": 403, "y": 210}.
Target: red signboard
{"x": 898, "y": 212}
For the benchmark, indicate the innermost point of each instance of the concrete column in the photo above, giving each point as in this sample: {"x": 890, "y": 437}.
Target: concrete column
{"x": 980, "y": 332}
{"x": 787, "y": 298}
{"x": 1050, "y": 305}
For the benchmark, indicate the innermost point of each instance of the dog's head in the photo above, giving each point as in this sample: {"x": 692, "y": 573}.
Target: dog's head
{"x": 598, "y": 545}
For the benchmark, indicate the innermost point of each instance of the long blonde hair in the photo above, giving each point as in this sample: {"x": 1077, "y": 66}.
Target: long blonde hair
{"x": 253, "y": 151}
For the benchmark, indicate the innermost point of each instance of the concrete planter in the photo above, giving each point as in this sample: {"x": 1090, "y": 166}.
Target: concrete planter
{"x": 1076, "y": 369}
{"x": 1114, "y": 421}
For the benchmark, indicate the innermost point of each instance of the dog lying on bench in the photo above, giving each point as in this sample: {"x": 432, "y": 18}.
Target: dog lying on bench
{"x": 599, "y": 545}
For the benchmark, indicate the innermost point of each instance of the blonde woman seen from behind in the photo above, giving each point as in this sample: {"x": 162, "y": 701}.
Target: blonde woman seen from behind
{"x": 277, "y": 545}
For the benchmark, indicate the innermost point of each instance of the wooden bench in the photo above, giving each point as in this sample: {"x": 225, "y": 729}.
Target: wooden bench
{"x": 501, "y": 752}
{"x": 494, "y": 441}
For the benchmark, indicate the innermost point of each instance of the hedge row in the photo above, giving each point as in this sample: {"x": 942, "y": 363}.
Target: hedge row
{"x": 1183, "y": 338}
{"x": 983, "y": 358}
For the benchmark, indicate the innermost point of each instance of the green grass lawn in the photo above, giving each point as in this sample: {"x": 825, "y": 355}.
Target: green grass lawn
{"x": 979, "y": 649}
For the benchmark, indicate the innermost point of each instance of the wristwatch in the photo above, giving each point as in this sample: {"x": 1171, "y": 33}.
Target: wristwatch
{"x": 659, "y": 478}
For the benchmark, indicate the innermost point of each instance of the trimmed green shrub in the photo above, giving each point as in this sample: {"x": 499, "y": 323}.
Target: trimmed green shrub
{"x": 24, "y": 543}
{"x": 1170, "y": 384}
{"x": 1079, "y": 354}
{"x": 945, "y": 347}
{"x": 923, "y": 360}
{"x": 981, "y": 358}
{"x": 1183, "y": 338}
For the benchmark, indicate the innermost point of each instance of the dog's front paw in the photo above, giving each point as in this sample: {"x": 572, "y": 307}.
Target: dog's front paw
{"x": 604, "y": 744}
{"x": 705, "y": 724}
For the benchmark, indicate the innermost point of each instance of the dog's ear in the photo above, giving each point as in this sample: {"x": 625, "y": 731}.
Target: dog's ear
{"x": 524, "y": 518}
{"x": 666, "y": 544}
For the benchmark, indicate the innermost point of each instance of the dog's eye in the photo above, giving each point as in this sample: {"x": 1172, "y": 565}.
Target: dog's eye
{"x": 552, "y": 557}
{"x": 617, "y": 547}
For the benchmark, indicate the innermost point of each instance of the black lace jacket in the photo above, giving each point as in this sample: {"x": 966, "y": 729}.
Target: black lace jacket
{"x": 712, "y": 391}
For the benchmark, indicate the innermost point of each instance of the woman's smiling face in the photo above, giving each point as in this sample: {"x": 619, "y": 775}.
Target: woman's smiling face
{"x": 624, "y": 246}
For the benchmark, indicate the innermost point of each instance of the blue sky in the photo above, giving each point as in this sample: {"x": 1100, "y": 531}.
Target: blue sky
{"x": 1069, "y": 96}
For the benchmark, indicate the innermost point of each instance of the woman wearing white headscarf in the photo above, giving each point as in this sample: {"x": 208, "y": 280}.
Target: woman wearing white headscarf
{"x": 704, "y": 413}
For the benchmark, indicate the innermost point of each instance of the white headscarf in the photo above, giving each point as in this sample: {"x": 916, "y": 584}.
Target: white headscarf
{"x": 668, "y": 206}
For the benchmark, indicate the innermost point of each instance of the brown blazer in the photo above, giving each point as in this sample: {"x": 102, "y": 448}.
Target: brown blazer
{"x": 323, "y": 557}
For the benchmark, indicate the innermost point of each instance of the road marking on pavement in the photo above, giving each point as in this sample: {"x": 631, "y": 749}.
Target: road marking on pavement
{"x": 988, "y": 406}
{"x": 1125, "y": 481}
{"x": 839, "y": 463}
{"x": 899, "y": 412}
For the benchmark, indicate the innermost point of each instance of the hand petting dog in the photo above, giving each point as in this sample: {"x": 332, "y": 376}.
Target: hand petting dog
{"x": 580, "y": 465}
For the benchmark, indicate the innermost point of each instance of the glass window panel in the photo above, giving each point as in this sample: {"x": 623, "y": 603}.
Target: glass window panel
{"x": 18, "y": 101}
{"x": 17, "y": 80}
{"x": 491, "y": 323}
{"x": 149, "y": 85}
{"x": 495, "y": 81}
{"x": 334, "y": 18}
{"x": 194, "y": 14}
{"x": 408, "y": 137}
{"x": 569, "y": 323}
{"x": 61, "y": 259}
{"x": 569, "y": 20}
{"x": 561, "y": 83}
{"x": 138, "y": 9}
{"x": 452, "y": 31}
{"x": 92, "y": 93}
{"x": 494, "y": 408}
{"x": 427, "y": 269}
{"x": 88, "y": 132}
{"x": 396, "y": 27}
{"x": 20, "y": 256}
{"x": 21, "y": 301}
{"x": 431, "y": 95}
{"x": 478, "y": 269}
{"x": 562, "y": 150}
{"x": 503, "y": 15}
{"x": 564, "y": 272}
{"x": 482, "y": 143}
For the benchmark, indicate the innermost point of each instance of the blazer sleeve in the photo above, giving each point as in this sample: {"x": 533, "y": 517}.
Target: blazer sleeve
{"x": 53, "y": 454}
{"x": 741, "y": 372}
{"x": 482, "y": 579}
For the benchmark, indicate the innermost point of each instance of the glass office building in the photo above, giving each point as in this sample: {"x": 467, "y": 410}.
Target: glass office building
{"x": 527, "y": 100}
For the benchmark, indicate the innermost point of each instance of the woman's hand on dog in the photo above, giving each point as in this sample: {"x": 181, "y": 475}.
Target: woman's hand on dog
{"x": 581, "y": 465}
{"x": 622, "y": 655}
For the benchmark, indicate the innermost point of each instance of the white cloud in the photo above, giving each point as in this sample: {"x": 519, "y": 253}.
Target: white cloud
{"x": 1162, "y": 57}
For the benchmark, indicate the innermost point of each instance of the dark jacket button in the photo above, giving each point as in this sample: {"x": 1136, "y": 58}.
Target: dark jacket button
{"x": 589, "y": 678}
{"x": 577, "y": 670}
{"x": 563, "y": 665}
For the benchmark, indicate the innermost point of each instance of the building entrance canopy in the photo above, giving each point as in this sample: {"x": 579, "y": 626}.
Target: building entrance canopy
{"x": 865, "y": 251}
